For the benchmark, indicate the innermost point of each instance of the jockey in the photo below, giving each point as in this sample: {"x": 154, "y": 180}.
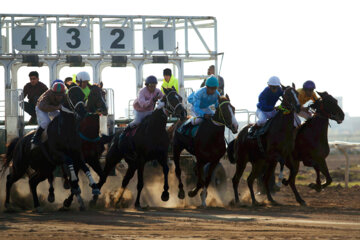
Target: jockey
{"x": 169, "y": 81}
{"x": 305, "y": 94}
{"x": 145, "y": 103}
{"x": 84, "y": 78}
{"x": 202, "y": 99}
{"x": 48, "y": 105}
{"x": 267, "y": 100}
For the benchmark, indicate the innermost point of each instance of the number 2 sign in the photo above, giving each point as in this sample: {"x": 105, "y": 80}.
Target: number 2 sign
{"x": 117, "y": 39}
{"x": 29, "y": 38}
{"x": 73, "y": 39}
{"x": 159, "y": 39}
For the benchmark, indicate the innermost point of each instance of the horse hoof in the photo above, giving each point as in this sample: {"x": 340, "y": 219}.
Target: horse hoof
{"x": 285, "y": 182}
{"x": 39, "y": 210}
{"x": 51, "y": 198}
{"x": 76, "y": 190}
{"x": 92, "y": 203}
{"x": 192, "y": 194}
{"x": 66, "y": 185}
{"x": 67, "y": 203}
{"x": 181, "y": 194}
{"x": 315, "y": 187}
{"x": 96, "y": 192}
{"x": 165, "y": 196}
{"x": 82, "y": 208}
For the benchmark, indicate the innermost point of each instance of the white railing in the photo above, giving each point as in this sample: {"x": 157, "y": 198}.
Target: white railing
{"x": 2, "y": 110}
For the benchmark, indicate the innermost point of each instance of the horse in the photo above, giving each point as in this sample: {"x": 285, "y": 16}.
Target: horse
{"x": 63, "y": 144}
{"x": 208, "y": 146}
{"x": 150, "y": 142}
{"x": 311, "y": 143}
{"x": 92, "y": 145}
{"x": 276, "y": 145}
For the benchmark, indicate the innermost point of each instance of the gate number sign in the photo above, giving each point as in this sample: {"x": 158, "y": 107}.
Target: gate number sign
{"x": 77, "y": 39}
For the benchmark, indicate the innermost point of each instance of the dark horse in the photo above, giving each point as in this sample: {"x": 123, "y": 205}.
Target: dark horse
{"x": 63, "y": 144}
{"x": 150, "y": 142}
{"x": 208, "y": 146}
{"x": 92, "y": 144}
{"x": 277, "y": 146}
{"x": 311, "y": 144}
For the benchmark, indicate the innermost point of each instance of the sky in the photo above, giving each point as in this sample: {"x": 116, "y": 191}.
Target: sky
{"x": 294, "y": 40}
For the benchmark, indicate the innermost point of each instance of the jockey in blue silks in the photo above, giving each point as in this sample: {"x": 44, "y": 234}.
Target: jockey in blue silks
{"x": 202, "y": 99}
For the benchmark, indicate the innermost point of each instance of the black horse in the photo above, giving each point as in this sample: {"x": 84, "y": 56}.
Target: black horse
{"x": 150, "y": 142}
{"x": 208, "y": 146}
{"x": 63, "y": 145}
{"x": 277, "y": 145}
{"x": 311, "y": 143}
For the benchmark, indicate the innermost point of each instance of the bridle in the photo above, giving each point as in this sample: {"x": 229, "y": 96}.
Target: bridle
{"x": 169, "y": 108}
{"x": 72, "y": 105}
{"x": 221, "y": 114}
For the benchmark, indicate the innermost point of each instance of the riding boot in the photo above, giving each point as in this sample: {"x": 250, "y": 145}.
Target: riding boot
{"x": 36, "y": 139}
{"x": 252, "y": 130}
{"x": 126, "y": 131}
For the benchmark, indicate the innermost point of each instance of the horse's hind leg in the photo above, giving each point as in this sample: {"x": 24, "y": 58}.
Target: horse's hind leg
{"x": 34, "y": 181}
{"x": 294, "y": 168}
{"x": 112, "y": 158}
{"x": 316, "y": 186}
{"x": 240, "y": 166}
{"x": 128, "y": 176}
{"x": 11, "y": 178}
{"x": 51, "y": 196}
{"x": 165, "y": 194}
{"x": 200, "y": 181}
{"x": 176, "y": 154}
{"x": 140, "y": 183}
{"x": 268, "y": 173}
{"x": 325, "y": 171}
{"x": 255, "y": 171}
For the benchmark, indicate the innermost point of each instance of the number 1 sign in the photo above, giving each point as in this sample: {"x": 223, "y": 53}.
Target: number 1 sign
{"x": 159, "y": 39}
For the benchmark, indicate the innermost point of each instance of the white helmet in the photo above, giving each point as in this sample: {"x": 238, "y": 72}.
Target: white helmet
{"x": 274, "y": 81}
{"x": 82, "y": 76}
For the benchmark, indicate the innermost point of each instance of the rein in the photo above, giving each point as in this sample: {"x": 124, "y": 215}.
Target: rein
{"x": 171, "y": 109}
{"x": 221, "y": 116}
{"x": 284, "y": 110}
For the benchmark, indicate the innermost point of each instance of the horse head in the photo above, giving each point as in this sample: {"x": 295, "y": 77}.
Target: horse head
{"x": 75, "y": 101}
{"x": 173, "y": 103}
{"x": 225, "y": 113}
{"x": 96, "y": 102}
{"x": 328, "y": 106}
{"x": 290, "y": 98}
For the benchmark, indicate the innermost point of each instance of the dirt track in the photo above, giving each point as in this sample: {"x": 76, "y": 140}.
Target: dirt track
{"x": 331, "y": 214}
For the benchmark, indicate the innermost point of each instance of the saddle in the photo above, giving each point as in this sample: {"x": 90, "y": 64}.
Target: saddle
{"x": 260, "y": 131}
{"x": 188, "y": 129}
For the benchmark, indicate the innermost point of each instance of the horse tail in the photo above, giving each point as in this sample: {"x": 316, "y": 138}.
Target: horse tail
{"x": 230, "y": 151}
{"x": 8, "y": 156}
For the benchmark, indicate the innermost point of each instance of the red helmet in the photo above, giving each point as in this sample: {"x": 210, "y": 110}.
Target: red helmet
{"x": 58, "y": 88}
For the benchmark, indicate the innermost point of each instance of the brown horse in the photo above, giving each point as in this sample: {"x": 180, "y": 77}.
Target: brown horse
{"x": 277, "y": 144}
{"x": 311, "y": 144}
{"x": 208, "y": 146}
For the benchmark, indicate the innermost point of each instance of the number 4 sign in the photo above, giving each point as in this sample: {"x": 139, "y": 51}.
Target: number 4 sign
{"x": 29, "y": 38}
{"x": 159, "y": 39}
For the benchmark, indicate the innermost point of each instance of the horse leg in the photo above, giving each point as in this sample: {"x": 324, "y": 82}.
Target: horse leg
{"x": 293, "y": 165}
{"x": 176, "y": 154}
{"x": 200, "y": 182}
{"x": 95, "y": 164}
{"x": 316, "y": 186}
{"x": 255, "y": 171}
{"x": 68, "y": 201}
{"x": 140, "y": 183}
{"x": 65, "y": 177}
{"x": 14, "y": 175}
{"x": 240, "y": 167}
{"x": 51, "y": 196}
{"x": 112, "y": 158}
{"x": 165, "y": 194}
{"x": 268, "y": 173}
{"x": 325, "y": 171}
{"x": 34, "y": 181}
{"x": 128, "y": 176}
{"x": 207, "y": 182}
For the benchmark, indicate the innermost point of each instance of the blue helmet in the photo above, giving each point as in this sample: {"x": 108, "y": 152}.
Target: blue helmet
{"x": 212, "y": 81}
{"x": 309, "y": 85}
{"x": 57, "y": 81}
{"x": 151, "y": 79}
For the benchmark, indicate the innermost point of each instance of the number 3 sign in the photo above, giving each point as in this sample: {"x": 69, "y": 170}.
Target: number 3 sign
{"x": 73, "y": 39}
{"x": 159, "y": 39}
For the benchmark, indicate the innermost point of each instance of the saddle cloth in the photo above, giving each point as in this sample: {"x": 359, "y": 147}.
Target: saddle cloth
{"x": 188, "y": 129}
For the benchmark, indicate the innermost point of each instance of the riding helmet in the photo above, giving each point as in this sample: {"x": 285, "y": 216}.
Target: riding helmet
{"x": 82, "y": 76}
{"x": 309, "y": 85}
{"x": 57, "y": 81}
{"x": 212, "y": 81}
{"x": 58, "y": 88}
{"x": 274, "y": 81}
{"x": 151, "y": 79}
